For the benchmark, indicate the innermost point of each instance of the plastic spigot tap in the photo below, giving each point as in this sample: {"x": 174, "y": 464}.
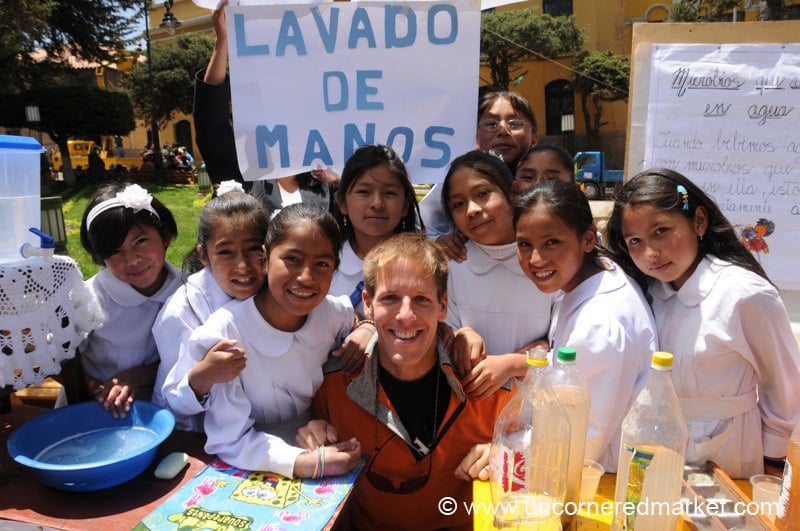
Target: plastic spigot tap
{"x": 46, "y": 239}
{"x": 46, "y": 249}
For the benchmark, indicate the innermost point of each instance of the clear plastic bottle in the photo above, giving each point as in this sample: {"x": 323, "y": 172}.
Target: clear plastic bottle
{"x": 529, "y": 456}
{"x": 788, "y": 516}
{"x": 573, "y": 395}
{"x": 652, "y": 454}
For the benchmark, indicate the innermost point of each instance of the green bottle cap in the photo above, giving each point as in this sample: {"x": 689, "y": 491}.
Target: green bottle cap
{"x": 566, "y": 354}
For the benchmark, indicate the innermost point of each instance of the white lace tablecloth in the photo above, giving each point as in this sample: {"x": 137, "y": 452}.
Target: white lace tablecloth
{"x": 45, "y": 313}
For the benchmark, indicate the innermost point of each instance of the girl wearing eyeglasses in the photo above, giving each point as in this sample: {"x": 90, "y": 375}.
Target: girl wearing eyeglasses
{"x": 506, "y": 125}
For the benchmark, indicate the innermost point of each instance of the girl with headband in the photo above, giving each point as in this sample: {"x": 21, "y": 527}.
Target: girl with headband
{"x": 126, "y": 230}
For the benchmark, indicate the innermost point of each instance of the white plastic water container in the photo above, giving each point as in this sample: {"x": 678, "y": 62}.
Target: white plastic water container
{"x": 20, "y": 200}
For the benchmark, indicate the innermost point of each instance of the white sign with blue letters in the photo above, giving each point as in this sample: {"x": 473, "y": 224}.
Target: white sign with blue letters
{"x": 311, "y": 83}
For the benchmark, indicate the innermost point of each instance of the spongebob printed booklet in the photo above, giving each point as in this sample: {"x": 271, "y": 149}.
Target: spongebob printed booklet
{"x": 224, "y": 498}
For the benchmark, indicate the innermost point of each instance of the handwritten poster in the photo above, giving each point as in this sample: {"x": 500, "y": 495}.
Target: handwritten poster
{"x": 311, "y": 83}
{"x": 728, "y": 117}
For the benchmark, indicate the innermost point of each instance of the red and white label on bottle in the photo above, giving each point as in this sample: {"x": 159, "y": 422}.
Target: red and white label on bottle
{"x": 514, "y": 470}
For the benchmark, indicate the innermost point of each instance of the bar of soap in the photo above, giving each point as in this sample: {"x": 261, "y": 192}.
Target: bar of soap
{"x": 170, "y": 466}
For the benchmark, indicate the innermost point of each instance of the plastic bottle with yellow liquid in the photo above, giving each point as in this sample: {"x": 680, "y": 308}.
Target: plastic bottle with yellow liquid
{"x": 530, "y": 448}
{"x": 652, "y": 455}
{"x": 573, "y": 395}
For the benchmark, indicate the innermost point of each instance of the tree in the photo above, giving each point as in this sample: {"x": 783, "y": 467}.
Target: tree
{"x": 509, "y": 36}
{"x": 600, "y": 77}
{"x": 702, "y": 10}
{"x": 775, "y": 10}
{"x": 174, "y": 68}
{"x": 71, "y": 112}
{"x": 85, "y": 29}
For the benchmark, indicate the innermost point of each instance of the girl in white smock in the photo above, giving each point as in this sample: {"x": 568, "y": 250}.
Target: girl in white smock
{"x": 737, "y": 362}
{"x": 488, "y": 292}
{"x": 376, "y": 200}
{"x": 598, "y": 309}
{"x": 128, "y": 231}
{"x": 230, "y": 239}
{"x": 287, "y": 330}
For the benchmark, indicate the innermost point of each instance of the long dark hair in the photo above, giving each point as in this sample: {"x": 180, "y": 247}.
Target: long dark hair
{"x": 360, "y": 161}
{"x": 109, "y": 229}
{"x": 658, "y": 188}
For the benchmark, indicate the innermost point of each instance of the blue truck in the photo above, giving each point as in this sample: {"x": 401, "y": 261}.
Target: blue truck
{"x": 597, "y": 180}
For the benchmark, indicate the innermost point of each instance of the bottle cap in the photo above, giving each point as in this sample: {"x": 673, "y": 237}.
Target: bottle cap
{"x": 566, "y": 354}
{"x": 662, "y": 361}
{"x": 536, "y": 357}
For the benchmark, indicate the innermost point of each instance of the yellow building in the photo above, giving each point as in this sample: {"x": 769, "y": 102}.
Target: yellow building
{"x": 193, "y": 19}
{"x": 607, "y": 24}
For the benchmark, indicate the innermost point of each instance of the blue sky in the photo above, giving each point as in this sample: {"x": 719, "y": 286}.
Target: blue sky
{"x": 139, "y": 25}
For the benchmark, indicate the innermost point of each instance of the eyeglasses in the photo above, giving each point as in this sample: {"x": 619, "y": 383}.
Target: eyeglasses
{"x": 407, "y": 486}
{"x": 491, "y": 126}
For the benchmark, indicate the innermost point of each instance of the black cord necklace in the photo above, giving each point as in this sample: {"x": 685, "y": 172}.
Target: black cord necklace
{"x": 419, "y": 446}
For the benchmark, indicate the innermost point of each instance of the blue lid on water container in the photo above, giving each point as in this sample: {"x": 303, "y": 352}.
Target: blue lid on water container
{"x": 19, "y": 142}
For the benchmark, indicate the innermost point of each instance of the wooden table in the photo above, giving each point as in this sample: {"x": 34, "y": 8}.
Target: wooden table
{"x": 24, "y": 499}
{"x": 585, "y": 520}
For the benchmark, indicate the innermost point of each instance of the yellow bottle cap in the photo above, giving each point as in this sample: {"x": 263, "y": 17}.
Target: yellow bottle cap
{"x": 661, "y": 360}
{"x": 536, "y": 357}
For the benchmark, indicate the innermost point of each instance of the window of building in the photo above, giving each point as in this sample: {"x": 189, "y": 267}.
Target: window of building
{"x": 657, "y": 13}
{"x": 183, "y": 135}
{"x": 557, "y": 8}
{"x": 559, "y": 99}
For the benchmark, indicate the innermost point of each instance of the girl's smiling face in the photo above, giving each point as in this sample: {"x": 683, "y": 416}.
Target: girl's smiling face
{"x": 537, "y": 167}
{"x": 299, "y": 271}
{"x": 375, "y": 204}
{"x": 551, "y": 253}
{"x": 139, "y": 261}
{"x": 235, "y": 256}
{"x": 479, "y": 207}
{"x": 664, "y": 245}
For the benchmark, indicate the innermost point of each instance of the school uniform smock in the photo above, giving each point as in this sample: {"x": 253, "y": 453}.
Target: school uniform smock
{"x": 283, "y": 372}
{"x": 189, "y": 307}
{"x": 433, "y": 215}
{"x": 608, "y": 321}
{"x": 357, "y": 406}
{"x": 496, "y": 299}
{"x": 348, "y": 280}
{"x": 125, "y": 340}
{"x": 736, "y": 365}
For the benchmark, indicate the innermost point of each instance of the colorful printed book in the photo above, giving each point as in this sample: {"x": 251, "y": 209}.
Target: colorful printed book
{"x": 224, "y": 498}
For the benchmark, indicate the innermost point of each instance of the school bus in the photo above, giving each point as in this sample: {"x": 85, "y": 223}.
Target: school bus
{"x": 79, "y": 156}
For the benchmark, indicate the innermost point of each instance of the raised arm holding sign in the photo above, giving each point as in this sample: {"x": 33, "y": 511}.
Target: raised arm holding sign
{"x": 215, "y": 139}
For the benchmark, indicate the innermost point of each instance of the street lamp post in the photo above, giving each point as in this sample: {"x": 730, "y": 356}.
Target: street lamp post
{"x": 33, "y": 118}
{"x": 169, "y": 22}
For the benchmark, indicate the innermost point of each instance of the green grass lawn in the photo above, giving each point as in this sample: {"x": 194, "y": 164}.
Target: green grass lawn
{"x": 183, "y": 201}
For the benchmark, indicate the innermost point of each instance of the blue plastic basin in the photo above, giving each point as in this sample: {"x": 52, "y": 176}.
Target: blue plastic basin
{"x": 84, "y": 448}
